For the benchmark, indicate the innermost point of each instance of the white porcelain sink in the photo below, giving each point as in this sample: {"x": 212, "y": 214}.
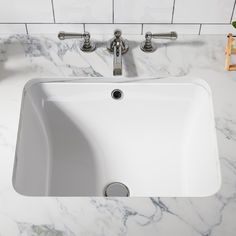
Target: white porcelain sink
{"x": 158, "y": 139}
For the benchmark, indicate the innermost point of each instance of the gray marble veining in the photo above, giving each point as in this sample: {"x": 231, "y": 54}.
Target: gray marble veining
{"x": 25, "y": 57}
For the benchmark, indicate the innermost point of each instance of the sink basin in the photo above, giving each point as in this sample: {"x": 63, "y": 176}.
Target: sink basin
{"x": 78, "y": 138}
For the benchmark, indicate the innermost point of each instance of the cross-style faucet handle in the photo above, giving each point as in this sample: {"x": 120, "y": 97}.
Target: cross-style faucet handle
{"x": 147, "y": 45}
{"x": 86, "y": 45}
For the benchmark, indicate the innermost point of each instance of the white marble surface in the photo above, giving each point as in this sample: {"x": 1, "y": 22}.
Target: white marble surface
{"x": 23, "y": 58}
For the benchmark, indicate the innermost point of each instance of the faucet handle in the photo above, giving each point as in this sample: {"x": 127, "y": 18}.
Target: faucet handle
{"x": 172, "y": 35}
{"x": 86, "y": 45}
{"x": 147, "y": 45}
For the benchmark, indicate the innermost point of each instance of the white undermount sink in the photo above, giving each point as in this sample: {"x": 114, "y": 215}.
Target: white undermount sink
{"x": 83, "y": 138}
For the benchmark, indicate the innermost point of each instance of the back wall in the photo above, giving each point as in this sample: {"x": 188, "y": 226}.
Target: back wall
{"x": 102, "y": 16}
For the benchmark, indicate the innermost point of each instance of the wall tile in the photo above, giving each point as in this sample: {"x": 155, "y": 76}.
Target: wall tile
{"x": 179, "y": 28}
{"x": 128, "y": 15}
{"x": 109, "y": 28}
{"x": 143, "y": 11}
{"x": 217, "y": 29}
{"x": 12, "y": 29}
{"x": 22, "y": 11}
{"x": 83, "y": 11}
{"x": 54, "y": 28}
{"x": 203, "y": 11}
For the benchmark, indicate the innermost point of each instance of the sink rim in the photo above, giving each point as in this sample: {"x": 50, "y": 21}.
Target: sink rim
{"x": 122, "y": 80}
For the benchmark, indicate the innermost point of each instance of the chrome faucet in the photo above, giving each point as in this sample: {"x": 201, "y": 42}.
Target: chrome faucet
{"x": 118, "y": 46}
{"x": 86, "y": 45}
{"x": 148, "y": 46}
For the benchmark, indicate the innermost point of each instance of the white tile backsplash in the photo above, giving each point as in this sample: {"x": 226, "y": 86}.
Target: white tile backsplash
{"x": 179, "y": 28}
{"x": 26, "y": 11}
{"x": 109, "y": 28}
{"x": 143, "y": 11}
{"x": 103, "y": 16}
{"x": 217, "y": 29}
{"x": 54, "y": 28}
{"x": 83, "y": 11}
{"x": 203, "y": 11}
{"x": 12, "y": 29}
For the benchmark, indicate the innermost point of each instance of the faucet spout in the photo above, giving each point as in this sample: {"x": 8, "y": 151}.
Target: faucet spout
{"x": 117, "y": 46}
{"x": 117, "y": 59}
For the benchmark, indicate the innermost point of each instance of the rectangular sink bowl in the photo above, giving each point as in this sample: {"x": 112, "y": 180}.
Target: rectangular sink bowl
{"x": 83, "y": 138}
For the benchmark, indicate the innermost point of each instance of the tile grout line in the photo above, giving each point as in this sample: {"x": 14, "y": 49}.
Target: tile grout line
{"x": 173, "y": 12}
{"x": 200, "y": 29}
{"x": 26, "y": 29}
{"x": 84, "y": 27}
{"x": 53, "y": 11}
{"x": 113, "y": 11}
{"x": 142, "y": 29}
{"x": 95, "y": 23}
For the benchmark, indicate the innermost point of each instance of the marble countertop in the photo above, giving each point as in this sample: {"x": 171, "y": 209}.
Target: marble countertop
{"x": 25, "y": 57}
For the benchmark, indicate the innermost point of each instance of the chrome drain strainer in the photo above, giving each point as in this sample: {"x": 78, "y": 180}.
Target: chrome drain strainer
{"x": 116, "y": 189}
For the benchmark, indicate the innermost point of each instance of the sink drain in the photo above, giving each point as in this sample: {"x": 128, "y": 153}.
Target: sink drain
{"x": 116, "y": 189}
{"x": 117, "y": 94}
